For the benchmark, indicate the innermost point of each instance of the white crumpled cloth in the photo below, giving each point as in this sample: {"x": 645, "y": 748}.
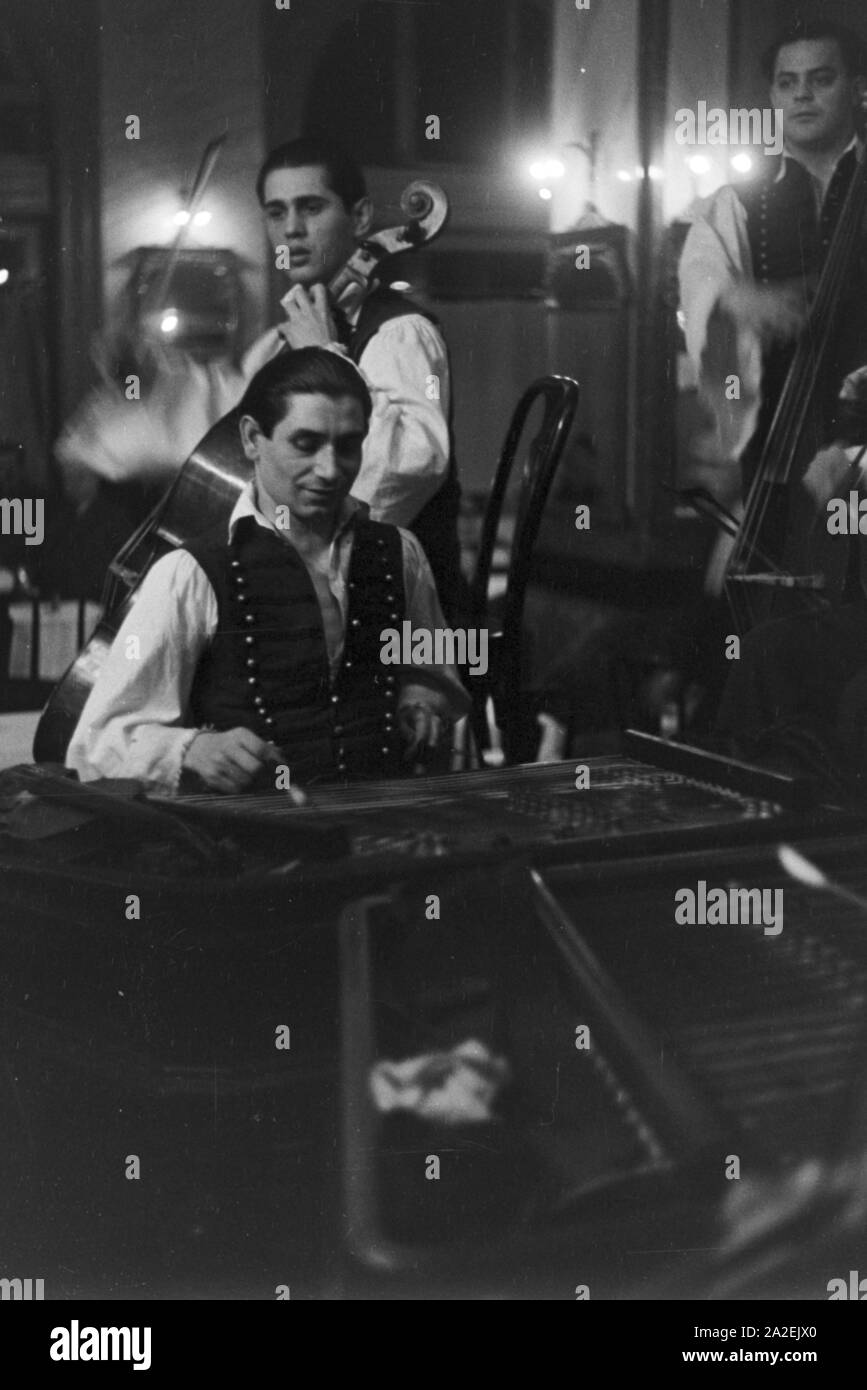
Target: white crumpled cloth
{"x": 450, "y": 1088}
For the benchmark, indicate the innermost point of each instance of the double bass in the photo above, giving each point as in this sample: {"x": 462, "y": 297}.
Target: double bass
{"x": 783, "y": 558}
{"x": 207, "y": 486}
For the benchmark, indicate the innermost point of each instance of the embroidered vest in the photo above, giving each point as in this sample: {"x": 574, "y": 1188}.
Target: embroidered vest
{"x": 267, "y": 666}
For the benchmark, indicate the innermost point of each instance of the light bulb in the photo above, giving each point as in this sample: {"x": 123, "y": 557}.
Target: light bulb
{"x": 547, "y": 168}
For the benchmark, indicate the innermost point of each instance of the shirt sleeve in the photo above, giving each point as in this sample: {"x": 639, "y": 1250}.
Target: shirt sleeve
{"x": 132, "y": 724}
{"x": 716, "y": 256}
{"x": 258, "y": 353}
{"x": 440, "y": 683}
{"x": 406, "y": 452}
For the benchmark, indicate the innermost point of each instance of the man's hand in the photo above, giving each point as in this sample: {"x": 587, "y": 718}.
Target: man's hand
{"x": 424, "y": 721}
{"x": 308, "y": 321}
{"x": 776, "y": 313}
{"x": 228, "y": 762}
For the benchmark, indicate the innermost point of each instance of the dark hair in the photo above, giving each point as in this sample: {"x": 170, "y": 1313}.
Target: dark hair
{"x": 343, "y": 176}
{"x": 853, "y": 53}
{"x": 310, "y": 371}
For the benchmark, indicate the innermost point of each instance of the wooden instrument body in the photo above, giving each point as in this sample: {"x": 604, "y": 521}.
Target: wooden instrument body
{"x": 205, "y": 490}
{"x": 202, "y": 495}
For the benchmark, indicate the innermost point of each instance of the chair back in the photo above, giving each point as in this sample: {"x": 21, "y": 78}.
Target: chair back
{"x": 560, "y": 395}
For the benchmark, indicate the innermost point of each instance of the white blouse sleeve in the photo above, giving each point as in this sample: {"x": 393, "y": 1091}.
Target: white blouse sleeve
{"x": 133, "y": 722}
{"x": 406, "y": 452}
{"x": 716, "y": 256}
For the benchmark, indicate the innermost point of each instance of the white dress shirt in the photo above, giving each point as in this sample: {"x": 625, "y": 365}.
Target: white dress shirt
{"x": 406, "y": 451}
{"x": 136, "y": 720}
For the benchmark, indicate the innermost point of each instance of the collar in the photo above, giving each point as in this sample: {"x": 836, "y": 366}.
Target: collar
{"x": 351, "y": 511}
{"x": 787, "y": 158}
{"x": 352, "y": 314}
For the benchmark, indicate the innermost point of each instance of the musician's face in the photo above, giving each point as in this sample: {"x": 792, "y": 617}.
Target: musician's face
{"x": 312, "y": 457}
{"x": 305, "y": 215}
{"x": 817, "y": 96}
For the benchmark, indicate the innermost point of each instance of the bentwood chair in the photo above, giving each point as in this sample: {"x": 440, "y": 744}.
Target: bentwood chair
{"x": 541, "y": 457}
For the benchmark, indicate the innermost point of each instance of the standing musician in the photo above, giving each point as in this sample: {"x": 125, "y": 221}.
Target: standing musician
{"x": 797, "y": 695}
{"x": 259, "y": 643}
{"x": 317, "y": 209}
{"x": 749, "y": 257}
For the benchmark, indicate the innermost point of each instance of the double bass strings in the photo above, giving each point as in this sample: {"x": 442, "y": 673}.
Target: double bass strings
{"x": 795, "y": 402}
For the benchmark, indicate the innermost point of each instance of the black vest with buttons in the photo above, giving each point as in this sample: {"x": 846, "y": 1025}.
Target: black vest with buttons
{"x": 267, "y": 666}
{"x": 789, "y": 241}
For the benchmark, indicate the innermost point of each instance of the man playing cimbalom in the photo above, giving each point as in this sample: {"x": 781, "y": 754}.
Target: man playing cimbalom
{"x": 259, "y": 644}
{"x": 316, "y": 210}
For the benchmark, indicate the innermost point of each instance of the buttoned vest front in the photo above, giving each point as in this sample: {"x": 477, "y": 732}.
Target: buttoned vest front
{"x": 267, "y": 669}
